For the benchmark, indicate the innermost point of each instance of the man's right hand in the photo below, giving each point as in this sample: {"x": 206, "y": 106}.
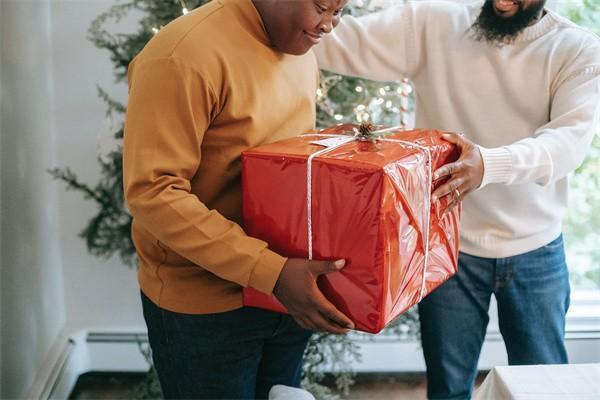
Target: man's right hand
{"x": 297, "y": 290}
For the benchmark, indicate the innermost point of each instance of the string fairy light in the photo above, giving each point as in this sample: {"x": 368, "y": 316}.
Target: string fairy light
{"x": 388, "y": 104}
{"x": 325, "y": 103}
{"x": 184, "y": 9}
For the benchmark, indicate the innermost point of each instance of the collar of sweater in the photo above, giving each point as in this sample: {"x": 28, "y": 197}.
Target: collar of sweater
{"x": 544, "y": 25}
{"x": 249, "y": 17}
{"x": 541, "y": 27}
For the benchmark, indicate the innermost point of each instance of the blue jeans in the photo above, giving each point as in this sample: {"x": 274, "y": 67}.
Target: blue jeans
{"x": 532, "y": 292}
{"x": 238, "y": 354}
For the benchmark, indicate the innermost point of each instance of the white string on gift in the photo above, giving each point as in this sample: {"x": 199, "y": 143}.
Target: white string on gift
{"x": 309, "y": 184}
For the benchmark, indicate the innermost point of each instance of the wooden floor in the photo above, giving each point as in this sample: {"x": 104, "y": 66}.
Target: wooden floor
{"x": 401, "y": 386}
{"x": 409, "y": 386}
{"x": 387, "y": 387}
{"x": 105, "y": 385}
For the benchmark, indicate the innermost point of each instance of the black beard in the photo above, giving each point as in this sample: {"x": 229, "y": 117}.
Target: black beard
{"x": 494, "y": 29}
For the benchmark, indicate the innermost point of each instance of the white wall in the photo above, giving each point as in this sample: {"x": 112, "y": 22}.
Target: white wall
{"x": 51, "y": 116}
{"x": 33, "y": 310}
{"x": 99, "y": 294}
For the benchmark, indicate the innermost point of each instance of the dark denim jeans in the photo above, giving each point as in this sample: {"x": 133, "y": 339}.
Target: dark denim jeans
{"x": 532, "y": 292}
{"x": 238, "y": 354}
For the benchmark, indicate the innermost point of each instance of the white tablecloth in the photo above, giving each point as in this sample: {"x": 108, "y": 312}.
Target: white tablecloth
{"x": 541, "y": 382}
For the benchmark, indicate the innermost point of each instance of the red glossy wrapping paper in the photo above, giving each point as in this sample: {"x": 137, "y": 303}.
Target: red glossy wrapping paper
{"x": 369, "y": 207}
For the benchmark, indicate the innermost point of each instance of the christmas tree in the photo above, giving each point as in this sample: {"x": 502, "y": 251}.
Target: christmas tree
{"x": 339, "y": 99}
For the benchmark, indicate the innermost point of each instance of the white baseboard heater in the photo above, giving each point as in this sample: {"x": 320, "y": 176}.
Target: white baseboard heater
{"x": 120, "y": 352}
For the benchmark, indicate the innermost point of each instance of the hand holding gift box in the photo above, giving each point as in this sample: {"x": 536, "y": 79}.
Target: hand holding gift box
{"x": 367, "y": 200}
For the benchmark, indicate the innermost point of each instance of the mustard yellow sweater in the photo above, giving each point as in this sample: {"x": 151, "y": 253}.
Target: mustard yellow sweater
{"x": 205, "y": 88}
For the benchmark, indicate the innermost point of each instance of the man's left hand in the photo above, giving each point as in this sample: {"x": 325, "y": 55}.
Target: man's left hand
{"x": 465, "y": 174}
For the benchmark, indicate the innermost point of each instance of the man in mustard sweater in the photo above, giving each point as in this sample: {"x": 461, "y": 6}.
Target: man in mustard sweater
{"x": 229, "y": 76}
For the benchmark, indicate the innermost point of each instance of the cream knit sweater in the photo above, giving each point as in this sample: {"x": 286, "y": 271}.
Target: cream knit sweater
{"x": 532, "y": 106}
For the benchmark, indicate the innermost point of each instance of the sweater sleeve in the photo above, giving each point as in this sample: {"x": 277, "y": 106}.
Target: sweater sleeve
{"x": 558, "y": 147}
{"x": 382, "y": 46}
{"x": 170, "y": 108}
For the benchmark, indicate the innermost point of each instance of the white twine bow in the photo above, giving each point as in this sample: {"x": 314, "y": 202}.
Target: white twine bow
{"x": 342, "y": 141}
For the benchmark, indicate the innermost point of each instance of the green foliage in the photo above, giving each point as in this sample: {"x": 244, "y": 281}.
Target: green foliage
{"x": 336, "y": 352}
{"x": 109, "y": 231}
{"x": 585, "y": 13}
{"x": 350, "y": 100}
{"x": 149, "y": 388}
{"x": 582, "y": 225}
{"x": 123, "y": 47}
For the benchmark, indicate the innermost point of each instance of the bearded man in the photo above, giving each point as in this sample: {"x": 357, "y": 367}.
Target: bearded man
{"x": 522, "y": 86}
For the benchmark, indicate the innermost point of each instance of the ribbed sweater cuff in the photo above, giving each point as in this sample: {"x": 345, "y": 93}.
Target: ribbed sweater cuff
{"x": 497, "y": 165}
{"x": 266, "y": 271}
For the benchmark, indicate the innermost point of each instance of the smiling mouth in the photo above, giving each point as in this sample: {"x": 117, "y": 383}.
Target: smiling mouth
{"x": 315, "y": 38}
{"x": 506, "y": 5}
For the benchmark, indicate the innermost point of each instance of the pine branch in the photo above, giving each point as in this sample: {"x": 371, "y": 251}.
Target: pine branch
{"x": 112, "y": 104}
{"x": 73, "y": 183}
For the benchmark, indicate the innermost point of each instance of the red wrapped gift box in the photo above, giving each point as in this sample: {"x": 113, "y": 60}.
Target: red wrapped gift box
{"x": 369, "y": 204}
